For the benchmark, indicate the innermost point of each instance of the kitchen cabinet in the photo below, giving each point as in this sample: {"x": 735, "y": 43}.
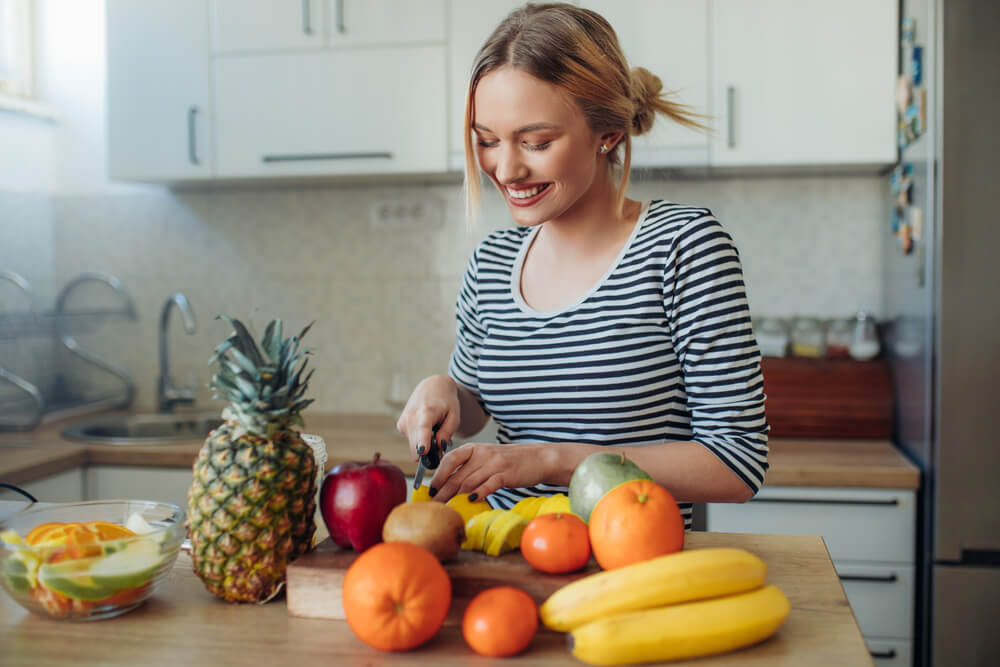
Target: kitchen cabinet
{"x": 62, "y": 487}
{"x": 870, "y": 535}
{"x": 266, "y": 25}
{"x": 158, "y": 91}
{"x": 107, "y": 482}
{"x": 670, "y": 39}
{"x": 331, "y": 112}
{"x": 803, "y": 83}
{"x": 382, "y": 22}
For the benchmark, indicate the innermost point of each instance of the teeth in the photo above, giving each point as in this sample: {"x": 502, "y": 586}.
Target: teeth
{"x": 524, "y": 194}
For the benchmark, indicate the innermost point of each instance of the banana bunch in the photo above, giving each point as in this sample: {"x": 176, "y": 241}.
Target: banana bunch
{"x": 496, "y": 532}
{"x": 683, "y": 605}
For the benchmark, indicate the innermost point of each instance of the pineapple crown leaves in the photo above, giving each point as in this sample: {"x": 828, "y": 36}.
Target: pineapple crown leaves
{"x": 266, "y": 380}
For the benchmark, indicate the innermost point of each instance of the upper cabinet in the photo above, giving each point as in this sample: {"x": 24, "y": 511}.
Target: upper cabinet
{"x": 670, "y": 39}
{"x": 803, "y": 83}
{"x": 240, "y": 26}
{"x": 159, "y": 111}
{"x": 368, "y": 22}
{"x": 234, "y": 89}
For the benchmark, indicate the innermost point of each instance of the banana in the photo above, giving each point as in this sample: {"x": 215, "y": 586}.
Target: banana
{"x": 688, "y": 630}
{"x": 679, "y": 577}
{"x": 476, "y": 527}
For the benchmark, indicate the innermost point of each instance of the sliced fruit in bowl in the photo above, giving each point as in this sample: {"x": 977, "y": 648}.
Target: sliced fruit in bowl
{"x": 89, "y": 560}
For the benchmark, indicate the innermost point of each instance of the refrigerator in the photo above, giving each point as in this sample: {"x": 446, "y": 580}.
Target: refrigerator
{"x": 941, "y": 323}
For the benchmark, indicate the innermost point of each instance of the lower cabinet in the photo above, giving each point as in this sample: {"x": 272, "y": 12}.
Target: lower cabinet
{"x": 169, "y": 485}
{"x": 870, "y": 534}
{"x": 63, "y": 487}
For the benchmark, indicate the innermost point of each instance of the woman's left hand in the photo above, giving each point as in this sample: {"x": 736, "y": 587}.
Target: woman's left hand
{"x": 482, "y": 468}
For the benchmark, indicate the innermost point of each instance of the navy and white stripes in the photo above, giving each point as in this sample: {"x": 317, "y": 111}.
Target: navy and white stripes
{"x": 660, "y": 350}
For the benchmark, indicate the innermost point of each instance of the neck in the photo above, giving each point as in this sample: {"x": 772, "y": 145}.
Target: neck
{"x": 592, "y": 223}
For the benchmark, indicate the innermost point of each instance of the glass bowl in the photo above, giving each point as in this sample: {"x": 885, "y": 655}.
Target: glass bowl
{"x": 77, "y": 562}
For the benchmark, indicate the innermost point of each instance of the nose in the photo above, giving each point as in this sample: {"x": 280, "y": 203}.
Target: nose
{"x": 510, "y": 168}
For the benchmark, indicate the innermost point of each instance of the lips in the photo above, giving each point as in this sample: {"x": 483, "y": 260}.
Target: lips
{"x": 526, "y": 195}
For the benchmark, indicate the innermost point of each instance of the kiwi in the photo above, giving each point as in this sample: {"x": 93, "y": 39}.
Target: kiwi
{"x": 434, "y": 526}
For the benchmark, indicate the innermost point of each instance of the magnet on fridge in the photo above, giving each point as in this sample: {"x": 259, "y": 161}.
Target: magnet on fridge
{"x": 897, "y": 219}
{"x": 917, "y": 223}
{"x": 917, "y": 65}
{"x": 905, "y": 236}
{"x": 904, "y": 94}
{"x": 909, "y": 30}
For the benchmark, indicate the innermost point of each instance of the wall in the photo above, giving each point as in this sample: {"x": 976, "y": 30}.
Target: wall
{"x": 383, "y": 299}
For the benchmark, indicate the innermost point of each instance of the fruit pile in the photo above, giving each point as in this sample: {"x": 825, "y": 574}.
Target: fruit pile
{"x": 653, "y": 601}
{"x": 73, "y": 568}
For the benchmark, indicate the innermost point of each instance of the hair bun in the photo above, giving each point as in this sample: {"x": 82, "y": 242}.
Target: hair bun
{"x": 645, "y": 93}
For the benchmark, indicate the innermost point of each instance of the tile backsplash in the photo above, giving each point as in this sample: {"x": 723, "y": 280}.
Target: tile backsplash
{"x": 382, "y": 296}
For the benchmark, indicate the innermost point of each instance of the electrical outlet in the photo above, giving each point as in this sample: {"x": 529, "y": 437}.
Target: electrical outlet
{"x": 401, "y": 212}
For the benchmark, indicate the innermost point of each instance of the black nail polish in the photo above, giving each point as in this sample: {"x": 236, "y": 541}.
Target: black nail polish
{"x": 432, "y": 491}
{"x": 473, "y": 497}
{"x": 420, "y": 449}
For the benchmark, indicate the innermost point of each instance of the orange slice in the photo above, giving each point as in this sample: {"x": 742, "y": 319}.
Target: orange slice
{"x": 39, "y": 533}
{"x": 109, "y": 531}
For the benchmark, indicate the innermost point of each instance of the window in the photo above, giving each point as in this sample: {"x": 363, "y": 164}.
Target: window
{"x": 17, "y": 72}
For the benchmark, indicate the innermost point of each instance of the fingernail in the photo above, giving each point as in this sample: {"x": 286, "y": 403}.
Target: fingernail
{"x": 420, "y": 449}
{"x": 432, "y": 491}
{"x": 473, "y": 497}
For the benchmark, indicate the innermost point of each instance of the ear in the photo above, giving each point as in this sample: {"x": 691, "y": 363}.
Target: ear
{"x": 611, "y": 139}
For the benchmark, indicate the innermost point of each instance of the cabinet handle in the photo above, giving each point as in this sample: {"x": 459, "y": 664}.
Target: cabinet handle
{"x": 885, "y": 578}
{"x": 301, "y": 157}
{"x": 341, "y": 25}
{"x": 889, "y": 655}
{"x": 829, "y": 501}
{"x": 307, "y": 17}
{"x": 192, "y": 143}
{"x": 730, "y": 120}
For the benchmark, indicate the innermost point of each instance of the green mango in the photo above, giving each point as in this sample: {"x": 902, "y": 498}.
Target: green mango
{"x": 595, "y": 476}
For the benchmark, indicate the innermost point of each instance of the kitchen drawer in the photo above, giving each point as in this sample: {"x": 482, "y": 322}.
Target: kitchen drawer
{"x": 856, "y": 524}
{"x": 888, "y": 652}
{"x": 881, "y": 596}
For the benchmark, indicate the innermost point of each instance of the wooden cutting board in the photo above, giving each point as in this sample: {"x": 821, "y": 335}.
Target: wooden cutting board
{"x": 314, "y": 581}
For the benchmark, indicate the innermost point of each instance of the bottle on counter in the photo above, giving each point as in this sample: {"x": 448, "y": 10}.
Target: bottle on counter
{"x": 772, "y": 336}
{"x": 808, "y": 338}
{"x": 839, "y": 336}
{"x": 864, "y": 344}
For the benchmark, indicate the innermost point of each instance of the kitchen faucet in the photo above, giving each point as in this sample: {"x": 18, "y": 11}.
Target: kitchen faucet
{"x": 167, "y": 395}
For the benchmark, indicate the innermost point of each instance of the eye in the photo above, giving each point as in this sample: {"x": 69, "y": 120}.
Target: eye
{"x": 537, "y": 147}
{"x": 487, "y": 144}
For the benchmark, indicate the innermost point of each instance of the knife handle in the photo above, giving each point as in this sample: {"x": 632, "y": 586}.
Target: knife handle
{"x": 432, "y": 459}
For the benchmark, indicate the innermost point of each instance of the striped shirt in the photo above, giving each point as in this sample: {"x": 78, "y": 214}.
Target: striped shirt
{"x": 660, "y": 349}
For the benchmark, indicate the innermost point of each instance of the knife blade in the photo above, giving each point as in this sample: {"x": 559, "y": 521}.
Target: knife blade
{"x": 430, "y": 460}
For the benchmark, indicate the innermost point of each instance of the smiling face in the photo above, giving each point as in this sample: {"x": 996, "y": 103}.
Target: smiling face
{"x": 534, "y": 143}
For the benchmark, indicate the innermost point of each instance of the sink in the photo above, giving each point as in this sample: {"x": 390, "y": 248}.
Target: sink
{"x": 146, "y": 429}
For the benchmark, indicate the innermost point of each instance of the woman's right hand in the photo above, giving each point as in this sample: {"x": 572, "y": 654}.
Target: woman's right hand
{"x": 434, "y": 402}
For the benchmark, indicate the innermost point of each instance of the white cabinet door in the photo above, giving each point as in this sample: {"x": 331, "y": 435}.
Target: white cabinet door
{"x": 266, "y": 25}
{"x": 332, "y": 112}
{"x": 357, "y": 22}
{"x": 470, "y": 22}
{"x": 797, "y": 83}
{"x": 62, "y": 487}
{"x": 670, "y": 39}
{"x": 158, "y": 90}
{"x": 167, "y": 485}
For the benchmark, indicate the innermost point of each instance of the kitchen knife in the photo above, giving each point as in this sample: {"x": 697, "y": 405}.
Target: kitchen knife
{"x": 430, "y": 460}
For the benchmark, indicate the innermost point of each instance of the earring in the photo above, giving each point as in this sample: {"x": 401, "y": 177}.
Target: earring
{"x": 604, "y": 148}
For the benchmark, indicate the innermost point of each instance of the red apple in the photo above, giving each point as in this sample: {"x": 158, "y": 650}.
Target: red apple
{"x": 355, "y": 499}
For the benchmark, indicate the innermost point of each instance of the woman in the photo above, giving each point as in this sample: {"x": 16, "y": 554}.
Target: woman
{"x": 597, "y": 320}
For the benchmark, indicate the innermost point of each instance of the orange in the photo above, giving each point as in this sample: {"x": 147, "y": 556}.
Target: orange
{"x": 556, "y": 543}
{"x": 500, "y": 622}
{"x": 633, "y": 522}
{"x": 396, "y": 596}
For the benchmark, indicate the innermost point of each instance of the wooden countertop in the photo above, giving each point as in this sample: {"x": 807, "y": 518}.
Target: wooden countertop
{"x": 794, "y": 462}
{"x": 184, "y": 625}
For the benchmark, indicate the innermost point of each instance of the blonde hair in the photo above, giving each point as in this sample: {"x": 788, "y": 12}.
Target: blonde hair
{"x": 577, "y": 50}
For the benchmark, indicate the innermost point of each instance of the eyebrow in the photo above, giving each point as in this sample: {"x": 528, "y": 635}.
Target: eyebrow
{"x": 533, "y": 127}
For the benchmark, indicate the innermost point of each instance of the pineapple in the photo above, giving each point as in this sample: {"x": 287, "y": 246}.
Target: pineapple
{"x": 252, "y": 503}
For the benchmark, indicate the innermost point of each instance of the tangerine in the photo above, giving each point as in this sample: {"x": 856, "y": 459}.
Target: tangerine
{"x": 500, "y": 622}
{"x": 556, "y": 543}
